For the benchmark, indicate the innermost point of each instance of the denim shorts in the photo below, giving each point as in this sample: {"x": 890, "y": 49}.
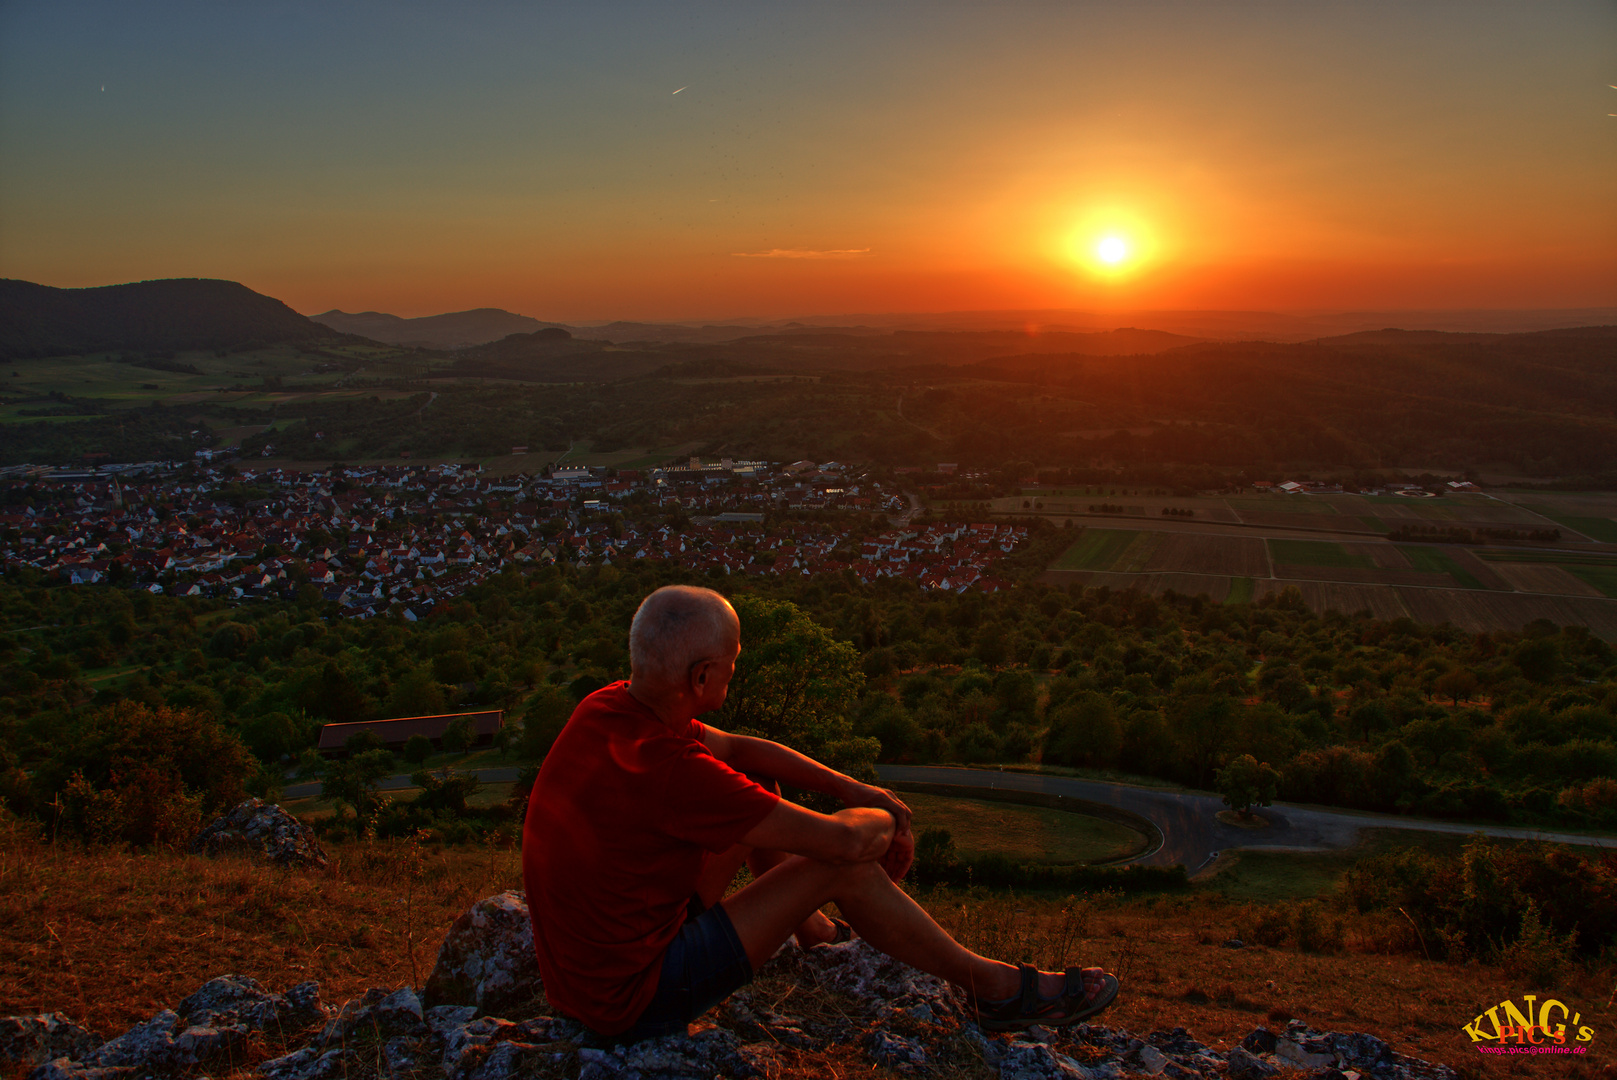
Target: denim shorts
{"x": 705, "y": 964}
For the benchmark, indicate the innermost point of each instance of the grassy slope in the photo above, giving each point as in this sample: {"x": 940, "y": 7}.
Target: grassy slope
{"x": 110, "y": 938}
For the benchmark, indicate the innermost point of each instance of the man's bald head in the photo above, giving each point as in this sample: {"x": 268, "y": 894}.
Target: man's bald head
{"x": 675, "y": 627}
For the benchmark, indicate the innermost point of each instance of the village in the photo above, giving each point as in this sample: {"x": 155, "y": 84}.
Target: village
{"x": 402, "y": 539}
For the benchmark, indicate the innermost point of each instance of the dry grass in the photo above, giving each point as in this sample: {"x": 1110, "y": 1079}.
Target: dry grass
{"x": 111, "y": 937}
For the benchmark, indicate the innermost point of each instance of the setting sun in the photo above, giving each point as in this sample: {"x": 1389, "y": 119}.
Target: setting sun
{"x": 1112, "y": 250}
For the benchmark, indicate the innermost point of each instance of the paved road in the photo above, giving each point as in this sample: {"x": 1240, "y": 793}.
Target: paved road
{"x": 1191, "y": 831}
{"x": 504, "y": 774}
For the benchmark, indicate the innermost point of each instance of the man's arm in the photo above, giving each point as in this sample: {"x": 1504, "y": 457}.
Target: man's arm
{"x": 858, "y": 834}
{"x": 762, "y": 757}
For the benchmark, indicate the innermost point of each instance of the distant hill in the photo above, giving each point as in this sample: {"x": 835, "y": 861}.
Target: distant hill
{"x": 456, "y": 330}
{"x": 178, "y": 313}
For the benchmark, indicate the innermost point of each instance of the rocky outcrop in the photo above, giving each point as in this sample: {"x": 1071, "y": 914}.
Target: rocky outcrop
{"x": 209, "y": 1029}
{"x": 265, "y": 829}
{"x": 34, "y": 1040}
{"x": 487, "y": 958}
{"x": 900, "y": 1018}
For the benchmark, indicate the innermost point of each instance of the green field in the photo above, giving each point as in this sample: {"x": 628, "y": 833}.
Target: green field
{"x": 1374, "y": 522}
{"x": 1240, "y": 591}
{"x": 1595, "y": 528}
{"x": 1284, "y": 504}
{"x": 1316, "y": 553}
{"x": 1603, "y": 578}
{"x": 1024, "y": 833}
{"x": 1096, "y": 549}
{"x": 1559, "y": 558}
{"x": 1438, "y": 561}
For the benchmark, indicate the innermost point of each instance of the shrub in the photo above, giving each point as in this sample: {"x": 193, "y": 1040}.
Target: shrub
{"x": 417, "y": 748}
{"x": 146, "y": 776}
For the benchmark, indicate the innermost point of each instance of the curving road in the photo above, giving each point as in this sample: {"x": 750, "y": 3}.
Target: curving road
{"x": 1191, "y": 831}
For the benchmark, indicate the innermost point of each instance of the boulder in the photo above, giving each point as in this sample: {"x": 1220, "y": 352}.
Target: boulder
{"x": 265, "y": 829}
{"x": 34, "y": 1040}
{"x": 1247, "y": 1066}
{"x": 1036, "y": 1061}
{"x": 881, "y": 984}
{"x": 710, "y": 1053}
{"x": 487, "y": 959}
{"x": 894, "y": 1051}
{"x": 237, "y": 998}
{"x": 162, "y": 1046}
{"x": 391, "y": 1020}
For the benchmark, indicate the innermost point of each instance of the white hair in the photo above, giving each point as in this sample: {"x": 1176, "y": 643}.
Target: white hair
{"x": 675, "y": 627}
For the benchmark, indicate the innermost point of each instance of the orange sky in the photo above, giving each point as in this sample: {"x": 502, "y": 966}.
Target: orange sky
{"x": 418, "y": 158}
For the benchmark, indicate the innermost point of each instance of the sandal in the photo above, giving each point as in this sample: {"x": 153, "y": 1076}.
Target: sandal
{"x": 843, "y": 932}
{"x": 1087, "y": 991}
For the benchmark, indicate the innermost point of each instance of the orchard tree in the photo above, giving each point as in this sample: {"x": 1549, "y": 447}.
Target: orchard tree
{"x": 1245, "y": 781}
{"x": 796, "y": 684}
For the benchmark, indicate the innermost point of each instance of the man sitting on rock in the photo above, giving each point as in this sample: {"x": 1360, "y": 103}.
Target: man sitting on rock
{"x": 642, "y": 815}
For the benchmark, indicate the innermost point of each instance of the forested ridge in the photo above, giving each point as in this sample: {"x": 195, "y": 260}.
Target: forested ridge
{"x": 1349, "y": 710}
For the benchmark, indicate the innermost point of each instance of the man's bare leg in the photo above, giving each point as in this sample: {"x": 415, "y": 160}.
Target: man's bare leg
{"x": 720, "y": 870}
{"x": 769, "y": 909}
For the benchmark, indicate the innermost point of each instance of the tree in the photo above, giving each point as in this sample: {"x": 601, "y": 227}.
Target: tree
{"x": 354, "y": 781}
{"x": 1457, "y": 683}
{"x": 796, "y": 684}
{"x": 547, "y": 712}
{"x": 417, "y": 748}
{"x": 1246, "y": 781}
{"x": 144, "y": 775}
{"x": 459, "y": 736}
{"x": 444, "y": 790}
{"x": 1084, "y": 731}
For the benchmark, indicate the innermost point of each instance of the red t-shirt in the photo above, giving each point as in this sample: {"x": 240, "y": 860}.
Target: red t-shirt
{"x": 620, "y": 821}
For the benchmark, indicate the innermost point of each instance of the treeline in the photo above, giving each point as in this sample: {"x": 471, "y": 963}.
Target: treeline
{"x": 1351, "y": 711}
{"x": 1454, "y": 534}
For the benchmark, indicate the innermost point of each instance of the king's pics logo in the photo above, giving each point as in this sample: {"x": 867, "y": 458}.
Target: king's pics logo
{"x": 1546, "y": 1023}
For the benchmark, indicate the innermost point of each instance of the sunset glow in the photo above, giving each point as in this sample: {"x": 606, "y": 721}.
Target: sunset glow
{"x": 575, "y": 164}
{"x": 1112, "y": 250}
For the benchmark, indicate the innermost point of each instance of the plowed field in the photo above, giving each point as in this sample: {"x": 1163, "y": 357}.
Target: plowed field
{"x": 1542, "y": 578}
{"x": 1188, "y": 553}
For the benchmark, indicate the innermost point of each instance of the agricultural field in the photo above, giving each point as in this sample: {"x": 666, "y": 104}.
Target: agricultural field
{"x": 1316, "y": 553}
{"x": 1502, "y": 585}
{"x": 1096, "y": 549}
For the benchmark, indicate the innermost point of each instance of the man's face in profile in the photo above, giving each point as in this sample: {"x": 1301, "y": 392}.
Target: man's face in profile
{"x": 716, "y": 675}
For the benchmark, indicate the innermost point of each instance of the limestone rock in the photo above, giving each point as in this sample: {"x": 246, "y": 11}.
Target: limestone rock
{"x": 264, "y": 828}
{"x": 714, "y": 1052}
{"x": 487, "y": 959}
{"x": 894, "y": 1051}
{"x": 880, "y": 983}
{"x": 378, "y": 1018}
{"x": 34, "y": 1040}
{"x": 239, "y": 999}
{"x": 1035, "y": 1061}
{"x": 1259, "y": 1041}
{"x": 162, "y": 1046}
{"x": 1244, "y": 1065}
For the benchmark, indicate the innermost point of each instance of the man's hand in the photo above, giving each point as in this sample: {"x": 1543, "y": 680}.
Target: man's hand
{"x": 901, "y": 852}
{"x": 899, "y": 855}
{"x": 882, "y": 799}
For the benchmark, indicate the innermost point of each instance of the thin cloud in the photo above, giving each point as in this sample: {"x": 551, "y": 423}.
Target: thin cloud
{"x": 799, "y": 253}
